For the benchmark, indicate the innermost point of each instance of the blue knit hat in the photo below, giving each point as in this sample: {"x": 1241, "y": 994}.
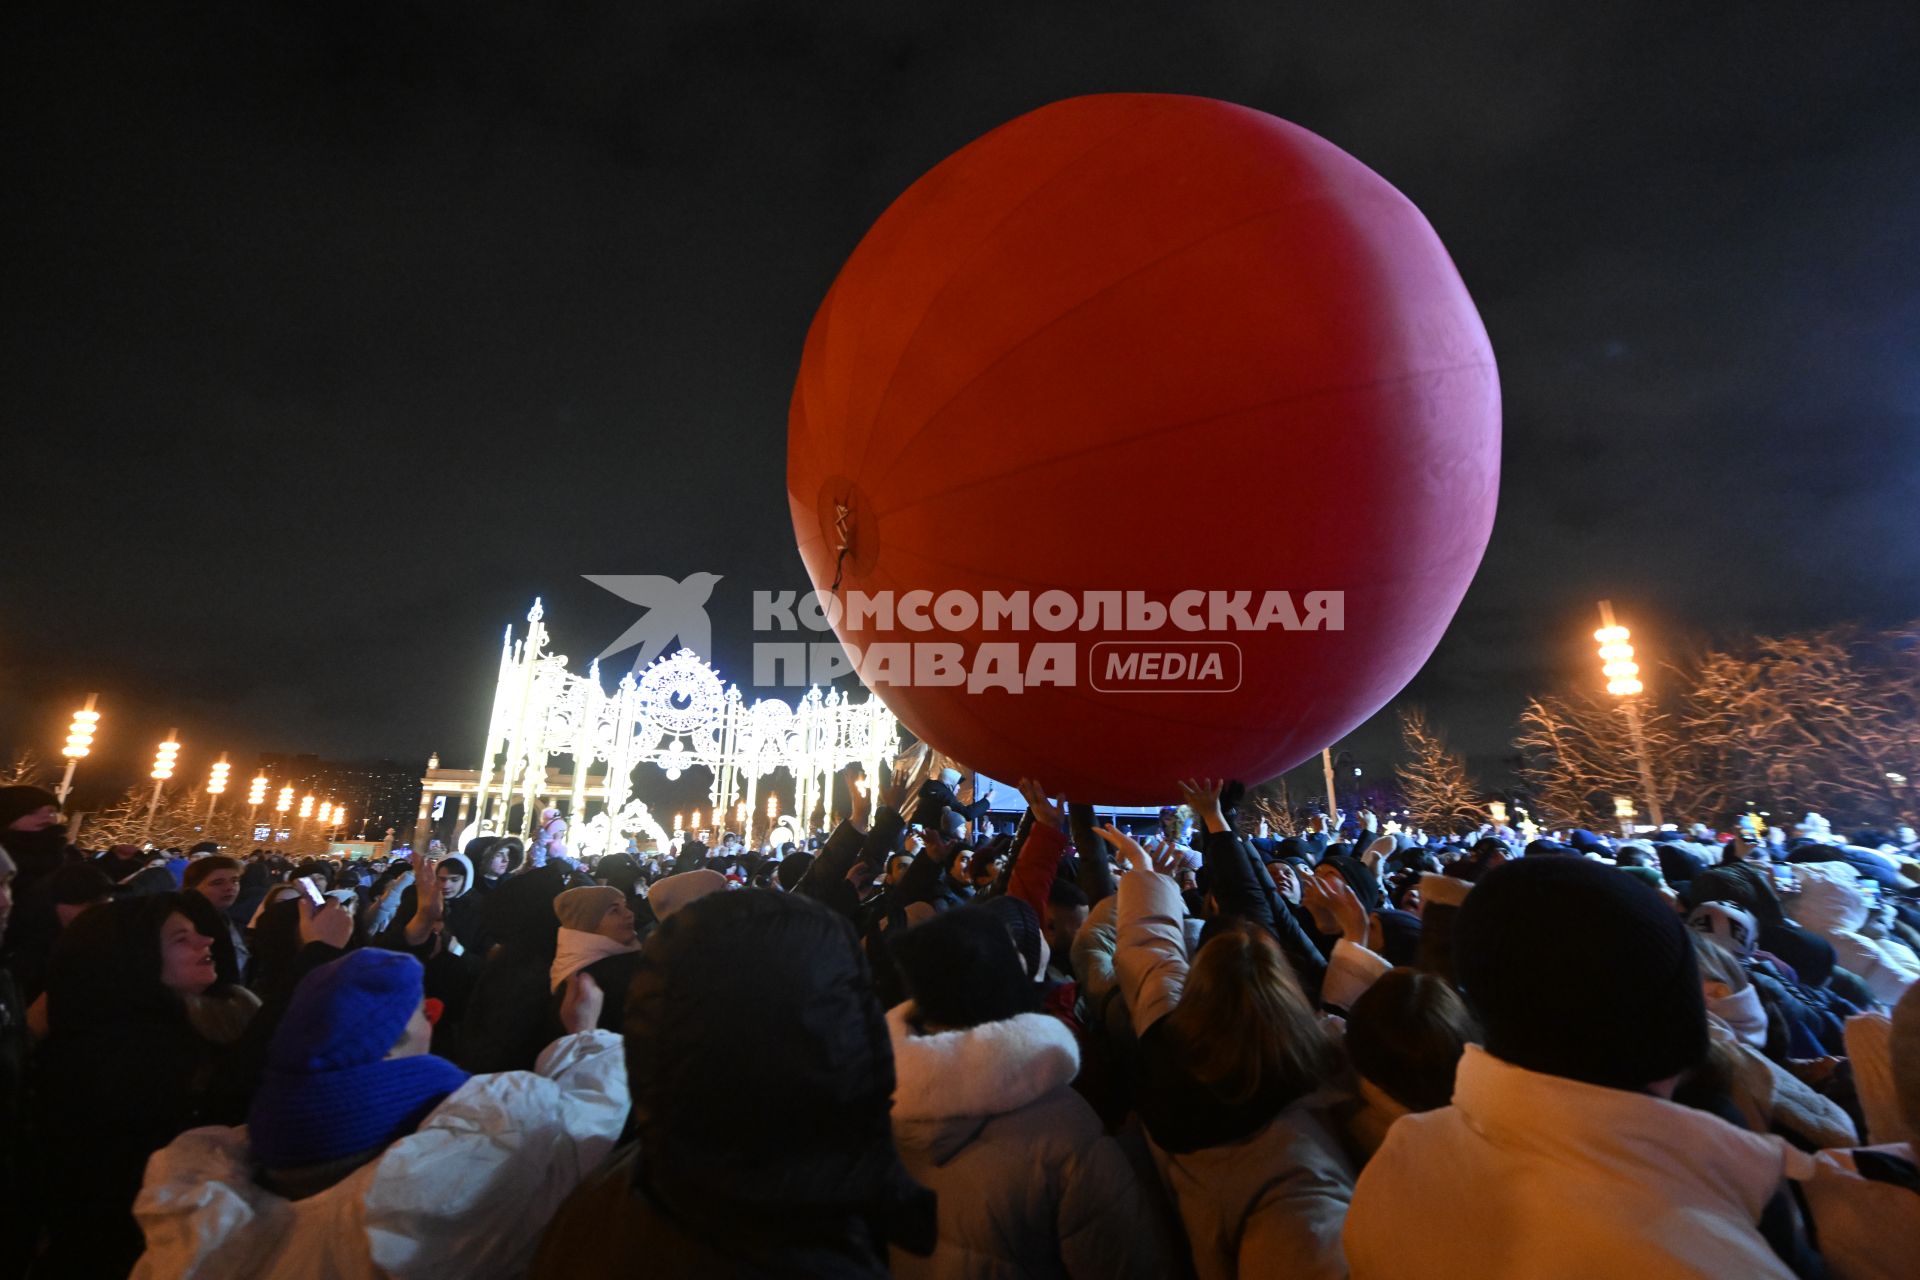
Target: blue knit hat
{"x": 329, "y": 1089}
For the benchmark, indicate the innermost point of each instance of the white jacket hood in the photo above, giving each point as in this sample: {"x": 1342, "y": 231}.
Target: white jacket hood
{"x": 1830, "y": 900}
{"x": 982, "y": 1071}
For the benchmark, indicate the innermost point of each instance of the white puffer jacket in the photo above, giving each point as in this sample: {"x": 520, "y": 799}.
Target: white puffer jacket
{"x": 1529, "y": 1175}
{"x": 464, "y": 1196}
{"x": 1832, "y": 904}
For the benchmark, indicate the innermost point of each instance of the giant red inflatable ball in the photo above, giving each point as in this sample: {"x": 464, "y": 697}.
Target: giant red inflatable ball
{"x": 1126, "y": 349}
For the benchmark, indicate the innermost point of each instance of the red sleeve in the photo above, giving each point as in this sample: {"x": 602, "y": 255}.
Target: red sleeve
{"x": 1039, "y": 863}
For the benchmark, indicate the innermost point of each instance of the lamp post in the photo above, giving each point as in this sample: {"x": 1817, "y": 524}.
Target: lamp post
{"x": 163, "y": 762}
{"x": 79, "y": 743}
{"x": 256, "y": 796}
{"x": 306, "y": 816}
{"x": 1623, "y": 814}
{"x": 217, "y": 784}
{"x": 1623, "y": 682}
{"x": 282, "y": 806}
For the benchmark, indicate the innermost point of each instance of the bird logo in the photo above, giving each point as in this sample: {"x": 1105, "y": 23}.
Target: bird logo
{"x": 674, "y": 609}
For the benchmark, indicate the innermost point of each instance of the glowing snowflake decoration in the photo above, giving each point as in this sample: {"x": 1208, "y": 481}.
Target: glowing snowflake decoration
{"x": 681, "y": 695}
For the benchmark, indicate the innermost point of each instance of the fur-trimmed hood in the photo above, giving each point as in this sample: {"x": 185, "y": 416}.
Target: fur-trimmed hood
{"x": 950, "y": 1084}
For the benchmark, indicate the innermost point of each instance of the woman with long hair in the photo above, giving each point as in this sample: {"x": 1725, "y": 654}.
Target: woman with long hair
{"x": 1232, "y": 1067}
{"x": 138, "y": 1015}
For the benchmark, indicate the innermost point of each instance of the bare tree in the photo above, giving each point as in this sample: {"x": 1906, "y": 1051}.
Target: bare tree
{"x": 25, "y": 771}
{"x": 1826, "y": 720}
{"x": 1272, "y": 803}
{"x": 177, "y": 821}
{"x": 1440, "y": 795}
{"x": 1577, "y": 753}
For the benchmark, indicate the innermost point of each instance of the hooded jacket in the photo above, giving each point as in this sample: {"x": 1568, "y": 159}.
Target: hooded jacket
{"x": 735, "y": 1173}
{"x": 466, "y": 1194}
{"x": 1832, "y": 905}
{"x": 1530, "y": 1175}
{"x": 1029, "y": 1184}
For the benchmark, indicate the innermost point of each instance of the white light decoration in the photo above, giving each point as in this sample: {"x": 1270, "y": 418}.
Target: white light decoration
{"x": 1616, "y": 657}
{"x": 285, "y": 802}
{"x": 257, "y": 790}
{"x": 676, "y": 715}
{"x": 217, "y": 779}
{"x": 164, "y": 759}
{"x": 80, "y": 732}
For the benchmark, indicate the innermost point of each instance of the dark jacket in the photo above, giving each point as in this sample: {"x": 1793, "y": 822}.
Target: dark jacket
{"x": 122, "y": 1073}
{"x": 744, "y": 1174}
{"x": 509, "y": 1013}
{"x": 611, "y": 1221}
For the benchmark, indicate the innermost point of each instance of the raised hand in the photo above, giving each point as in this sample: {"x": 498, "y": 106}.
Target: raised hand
{"x": 859, "y": 800}
{"x": 1166, "y": 859}
{"x": 893, "y": 791}
{"x": 1203, "y": 797}
{"x": 1051, "y": 812}
{"x": 1335, "y": 908}
{"x": 1126, "y": 850}
{"x": 330, "y": 923}
{"x": 580, "y": 1007}
{"x": 938, "y": 847}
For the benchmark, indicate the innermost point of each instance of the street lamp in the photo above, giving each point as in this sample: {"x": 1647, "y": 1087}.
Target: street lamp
{"x": 163, "y": 762}
{"x": 1623, "y": 682}
{"x": 217, "y": 784}
{"x": 79, "y": 743}
{"x": 256, "y": 796}
{"x": 281, "y": 807}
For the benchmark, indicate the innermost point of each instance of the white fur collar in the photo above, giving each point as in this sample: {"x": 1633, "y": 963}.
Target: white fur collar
{"x": 986, "y": 1070}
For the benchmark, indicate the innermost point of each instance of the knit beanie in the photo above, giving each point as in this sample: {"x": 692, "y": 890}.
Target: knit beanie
{"x": 674, "y": 892}
{"x": 17, "y": 802}
{"x": 329, "y": 1089}
{"x": 586, "y": 907}
{"x": 962, "y": 969}
{"x": 1575, "y": 970}
{"x": 1735, "y": 930}
{"x": 793, "y": 868}
{"x": 1022, "y": 925}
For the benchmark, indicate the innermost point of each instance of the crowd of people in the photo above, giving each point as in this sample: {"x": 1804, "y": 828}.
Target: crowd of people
{"x": 921, "y": 1048}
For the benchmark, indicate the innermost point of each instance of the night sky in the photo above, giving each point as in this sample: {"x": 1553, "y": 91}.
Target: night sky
{"x": 336, "y": 333}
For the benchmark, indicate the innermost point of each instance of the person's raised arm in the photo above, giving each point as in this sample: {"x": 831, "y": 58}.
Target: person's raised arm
{"x": 826, "y": 878}
{"x": 1150, "y": 941}
{"x": 1243, "y": 889}
{"x": 1036, "y": 862}
{"x": 430, "y": 905}
{"x": 1094, "y": 866}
